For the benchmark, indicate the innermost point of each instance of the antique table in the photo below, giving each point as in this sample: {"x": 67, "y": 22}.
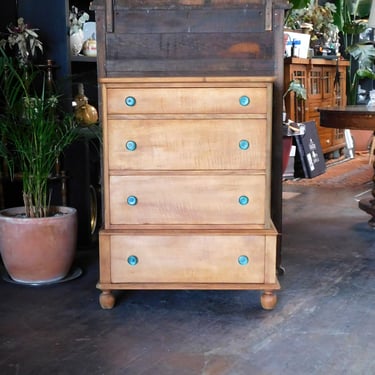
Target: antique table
{"x": 358, "y": 117}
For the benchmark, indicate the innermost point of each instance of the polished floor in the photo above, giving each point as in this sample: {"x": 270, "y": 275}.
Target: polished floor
{"x": 324, "y": 322}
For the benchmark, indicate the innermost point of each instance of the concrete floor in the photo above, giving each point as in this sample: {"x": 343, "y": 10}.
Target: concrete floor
{"x": 323, "y": 323}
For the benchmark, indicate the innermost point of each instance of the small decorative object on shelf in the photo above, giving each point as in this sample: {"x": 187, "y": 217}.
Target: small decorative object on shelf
{"x": 77, "y": 19}
{"x": 85, "y": 113}
{"x": 76, "y": 42}
{"x": 89, "y": 48}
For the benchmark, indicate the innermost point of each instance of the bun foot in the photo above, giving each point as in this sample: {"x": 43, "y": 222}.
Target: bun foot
{"x": 268, "y": 300}
{"x": 106, "y": 300}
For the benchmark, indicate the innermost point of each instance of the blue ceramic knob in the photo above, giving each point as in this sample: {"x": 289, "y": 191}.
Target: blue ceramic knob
{"x": 132, "y": 200}
{"x": 244, "y": 144}
{"x": 131, "y": 145}
{"x": 244, "y": 100}
{"x": 130, "y": 101}
{"x": 243, "y": 260}
{"x": 243, "y": 200}
{"x": 132, "y": 260}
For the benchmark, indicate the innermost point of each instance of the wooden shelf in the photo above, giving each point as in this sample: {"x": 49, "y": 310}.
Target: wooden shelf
{"x": 82, "y": 58}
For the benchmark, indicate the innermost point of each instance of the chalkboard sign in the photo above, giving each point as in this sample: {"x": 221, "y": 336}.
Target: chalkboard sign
{"x": 310, "y": 160}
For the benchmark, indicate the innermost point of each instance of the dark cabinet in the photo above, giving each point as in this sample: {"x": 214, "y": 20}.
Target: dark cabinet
{"x": 80, "y": 161}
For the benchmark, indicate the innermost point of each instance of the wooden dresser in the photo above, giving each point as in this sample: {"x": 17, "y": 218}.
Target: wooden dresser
{"x": 187, "y": 148}
{"x": 187, "y": 182}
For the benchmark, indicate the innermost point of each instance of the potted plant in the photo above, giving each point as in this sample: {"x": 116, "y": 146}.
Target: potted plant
{"x": 352, "y": 18}
{"x": 37, "y": 241}
{"x": 317, "y": 19}
{"x": 291, "y": 128}
{"x": 296, "y": 87}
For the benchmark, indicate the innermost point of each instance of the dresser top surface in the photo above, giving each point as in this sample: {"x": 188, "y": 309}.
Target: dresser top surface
{"x": 226, "y": 79}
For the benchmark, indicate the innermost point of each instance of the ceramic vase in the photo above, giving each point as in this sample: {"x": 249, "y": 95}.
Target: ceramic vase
{"x": 76, "y": 42}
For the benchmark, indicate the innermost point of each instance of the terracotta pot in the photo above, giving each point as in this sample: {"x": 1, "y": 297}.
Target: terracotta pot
{"x": 362, "y": 139}
{"x": 38, "y": 250}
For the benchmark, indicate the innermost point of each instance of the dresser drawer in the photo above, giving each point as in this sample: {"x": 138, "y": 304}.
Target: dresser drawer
{"x": 187, "y": 199}
{"x": 187, "y": 144}
{"x": 197, "y": 100}
{"x": 194, "y": 258}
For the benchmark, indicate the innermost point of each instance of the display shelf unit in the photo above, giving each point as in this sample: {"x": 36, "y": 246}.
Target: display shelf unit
{"x": 318, "y": 76}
